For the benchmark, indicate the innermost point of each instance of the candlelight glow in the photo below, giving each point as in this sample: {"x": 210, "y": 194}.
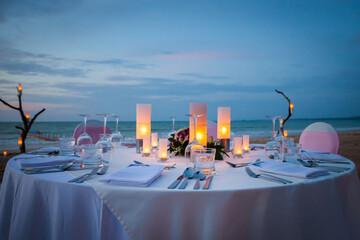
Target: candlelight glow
{"x": 224, "y": 130}
{"x": 5, "y": 153}
{"x": 201, "y": 126}
{"x": 19, "y": 87}
{"x": 143, "y": 120}
{"x": 20, "y": 142}
{"x": 291, "y": 105}
{"x": 246, "y": 142}
{"x": 146, "y": 145}
{"x": 238, "y": 145}
{"x": 199, "y": 136}
{"x": 223, "y": 123}
{"x": 285, "y": 133}
{"x": 154, "y": 140}
{"x": 163, "y": 149}
{"x": 27, "y": 115}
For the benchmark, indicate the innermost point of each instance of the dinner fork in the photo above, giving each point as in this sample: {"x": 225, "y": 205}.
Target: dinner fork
{"x": 84, "y": 175}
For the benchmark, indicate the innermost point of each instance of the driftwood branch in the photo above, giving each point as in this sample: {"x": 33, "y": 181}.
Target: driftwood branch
{"x": 7, "y": 104}
{"x": 26, "y": 122}
{"x": 289, "y": 111}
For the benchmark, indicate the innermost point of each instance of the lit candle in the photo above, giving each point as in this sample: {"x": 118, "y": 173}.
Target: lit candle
{"x": 154, "y": 140}
{"x": 246, "y": 140}
{"x": 285, "y": 133}
{"x": 143, "y": 123}
{"x": 146, "y": 146}
{"x": 223, "y": 127}
{"x": 19, "y": 88}
{"x": 163, "y": 149}
{"x": 238, "y": 147}
{"x": 27, "y": 116}
{"x": 291, "y": 107}
{"x": 201, "y": 126}
{"x": 20, "y": 141}
{"x": 4, "y": 154}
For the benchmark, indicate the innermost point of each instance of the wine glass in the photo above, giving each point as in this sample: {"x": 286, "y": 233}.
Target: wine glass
{"x": 105, "y": 139}
{"x": 117, "y": 137}
{"x": 274, "y": 118}
{"x": 84, "y": 138}
{"x": 194, "y": 143}
{"x": 173, "y": 125}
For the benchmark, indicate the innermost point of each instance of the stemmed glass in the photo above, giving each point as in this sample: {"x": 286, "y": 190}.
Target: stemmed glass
{"x": 173, "y": 126}
{"x": 273, "y": 147}
{"x": 116, "y": 137}
{"x": 273, "y": 118}
{"x": 105, "y": 139}
{"x": 194, "y": 143}
{"x": 84, "y": 138}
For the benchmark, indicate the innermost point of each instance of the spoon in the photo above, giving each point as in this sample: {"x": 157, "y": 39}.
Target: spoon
{"x": 199, "y": 175}
{"x": 188, "y": 173}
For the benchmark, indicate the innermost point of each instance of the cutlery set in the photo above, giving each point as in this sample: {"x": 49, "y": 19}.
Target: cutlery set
{"x": 311, "y": 163}
{"x": 87, "y": 176}
{"x": 190, "y": 173}
{"x": 266, "y": 176}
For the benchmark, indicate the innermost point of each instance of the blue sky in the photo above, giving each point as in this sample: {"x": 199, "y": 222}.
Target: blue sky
{"x": 105, "y": 56}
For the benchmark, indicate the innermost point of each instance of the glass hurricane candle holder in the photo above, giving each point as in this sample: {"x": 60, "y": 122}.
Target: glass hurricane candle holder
{"x": 238, "y": 147}
{"x": 146, "y": 146}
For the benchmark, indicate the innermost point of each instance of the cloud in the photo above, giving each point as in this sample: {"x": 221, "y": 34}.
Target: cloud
{"x": 194, "y": 55}
{"x": 35, "y": 8}
{"x": 5, "y": 81}
{"x": 201, "y": 76}
{"x": 118, "y": 62}
{"x": 35, "y": 106}
{"x": 31, "y": 68}
{"x": 129, "y": 80}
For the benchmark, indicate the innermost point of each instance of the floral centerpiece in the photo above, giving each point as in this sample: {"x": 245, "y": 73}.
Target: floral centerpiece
{"x": 180, "y": 140}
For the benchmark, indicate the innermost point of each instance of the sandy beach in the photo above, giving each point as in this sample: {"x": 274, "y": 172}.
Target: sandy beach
{"x": 349, "y": 148}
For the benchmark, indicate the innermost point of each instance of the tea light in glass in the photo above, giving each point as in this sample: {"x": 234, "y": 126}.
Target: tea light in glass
{"x": 162, "y": 154}
{"x": 154, "y": 140}
{"x": 201, "y": 126}
{"x": 246, "y": 141}
{"x": 238, "y": 147}
{"x": 146, "y": 146}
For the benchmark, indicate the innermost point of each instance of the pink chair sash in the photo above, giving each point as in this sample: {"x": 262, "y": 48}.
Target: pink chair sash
{"x": 94, "y": 132}
{"x": 320, "y": 141}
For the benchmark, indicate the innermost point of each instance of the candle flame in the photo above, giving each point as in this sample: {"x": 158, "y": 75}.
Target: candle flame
{"x": 239, "y": 151}
{"x": 20, "y": 87}
{"x": 143, "y": 130}
{"x": 146, "y": 150}
{"x": 291, "y": 105}
{"x": 223, "y": 130}
{"x": 20, "y": 142}
{"x": 285, "y": 133}
{"x": 246, "y": 148}
{"x": 27, "y": 115}
{"x": 163, "y": 155}
{"x": 199, "y": 136}
{"x": 5, "y": 153}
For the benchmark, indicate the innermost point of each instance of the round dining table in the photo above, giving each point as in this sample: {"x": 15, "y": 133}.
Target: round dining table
{"x": 236, "y": 206}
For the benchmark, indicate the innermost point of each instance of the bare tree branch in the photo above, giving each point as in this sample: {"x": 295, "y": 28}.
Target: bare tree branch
{"x": 7, "y": 104}
{"x": 289, "y": 113}
{"x": 18, "y": 127}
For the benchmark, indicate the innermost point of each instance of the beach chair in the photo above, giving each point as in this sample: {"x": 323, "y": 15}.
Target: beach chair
{"x": 320, "y": 136}
{"x": 93, "y": 127}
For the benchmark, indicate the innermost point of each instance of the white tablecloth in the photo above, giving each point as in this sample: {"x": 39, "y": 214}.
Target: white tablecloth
{"x": 236, "y": 206}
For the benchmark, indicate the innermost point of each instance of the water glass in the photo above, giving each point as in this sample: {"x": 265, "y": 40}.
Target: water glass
{"x": 273, "y": 150}
{"x": 67, "y": 146}
{"x": 292, "y": 152}
{"x": 92, "y": 156}
{"x": 204, "y": 160}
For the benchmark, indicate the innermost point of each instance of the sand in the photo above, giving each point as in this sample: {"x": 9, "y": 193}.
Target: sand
{"x": 349, "y": 148}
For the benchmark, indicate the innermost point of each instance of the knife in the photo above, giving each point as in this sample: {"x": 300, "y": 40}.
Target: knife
{"x": 176, "y": 182}
{"x": 254, "y": 175}
{"x": 207, "y": 183}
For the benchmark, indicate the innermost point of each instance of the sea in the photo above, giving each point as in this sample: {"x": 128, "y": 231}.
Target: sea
{"x": 255, "y": 128}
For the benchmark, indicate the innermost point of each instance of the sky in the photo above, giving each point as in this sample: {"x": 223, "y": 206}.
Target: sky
{"x": 87, "y": 56}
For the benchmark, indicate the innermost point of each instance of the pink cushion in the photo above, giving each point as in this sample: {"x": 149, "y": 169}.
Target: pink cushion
{"x": 320, "y": 141}
{"x": 94, "y": 132}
